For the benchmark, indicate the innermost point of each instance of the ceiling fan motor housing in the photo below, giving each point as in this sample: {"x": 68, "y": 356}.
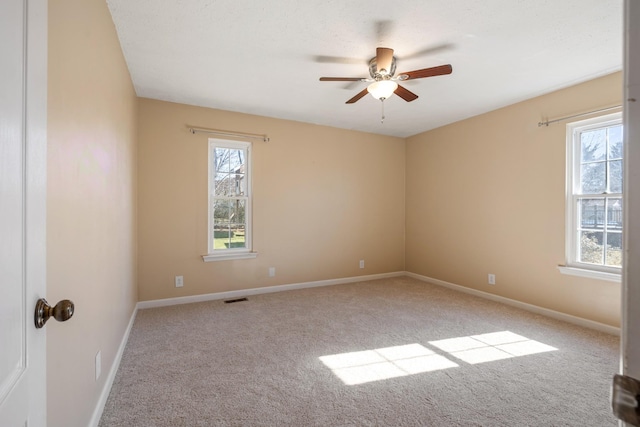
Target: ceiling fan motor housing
{"x": 386, "y": 74}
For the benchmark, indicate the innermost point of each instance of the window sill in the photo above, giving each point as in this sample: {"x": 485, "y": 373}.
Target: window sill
{"x": 229, "y": 256}
{"x": 591, "y": 274}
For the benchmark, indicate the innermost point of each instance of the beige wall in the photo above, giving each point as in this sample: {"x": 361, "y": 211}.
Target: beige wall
{"x": 487, "y": 195}
{"x": 324, "y": 198}
{"x": 91, "y": 226}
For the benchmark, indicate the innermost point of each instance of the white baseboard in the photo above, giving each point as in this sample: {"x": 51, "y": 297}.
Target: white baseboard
{"x": 529, "y": 307}
{"x": 266, "y": 290}
{"x": 106, "y": 389}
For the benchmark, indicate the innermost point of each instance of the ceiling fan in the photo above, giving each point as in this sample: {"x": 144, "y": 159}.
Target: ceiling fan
{"x": 382, "y": 68}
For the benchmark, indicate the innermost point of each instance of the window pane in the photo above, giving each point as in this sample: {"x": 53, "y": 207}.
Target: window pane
{"x": 222, "y": 160}
{"x": 615, "y": 142}
{"x": 238, "y": 237}
{"x": 221, "y": 237}
{"x": 221, "y": 228}
{"x": 591, "y": 213}
{"x": 221, "y": 212}
{"x": 593, "y": 145}
{"x": 614, "y": 249}
{"x": 224, "y": 185}
{"x": 229, "y": 227}
{"x": 615, "y": 176}
{"x": 237, "y": 210}
{"x": 614, "y": 214}
{"x": 592, "y": 178}
{"x": 239, "y": 184}
{"x": 591, "y": 249}
{"x": 236, "y": 160}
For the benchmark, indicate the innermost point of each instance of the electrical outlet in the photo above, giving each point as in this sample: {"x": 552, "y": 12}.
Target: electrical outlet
{"x": 98, "y": 365}
{"x": 179, "y": 281}
{"x": 361, "y": 263}
{"x": 492, "y": 279}
{"x": 272, "y": 272}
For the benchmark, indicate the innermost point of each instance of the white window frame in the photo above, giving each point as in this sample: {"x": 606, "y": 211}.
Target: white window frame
{"x": 573, "y": 266}
{"x": 230, "y": 253}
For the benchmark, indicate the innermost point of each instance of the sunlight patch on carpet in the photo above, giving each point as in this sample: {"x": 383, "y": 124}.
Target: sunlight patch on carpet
{"x": 383, "y": 363}
{"x": 490, "y": 347}
{"x": 361, "y": 367}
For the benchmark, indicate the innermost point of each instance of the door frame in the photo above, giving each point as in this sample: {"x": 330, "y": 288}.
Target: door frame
{"x": 630, "y": 322}
{"x": 630, "y": 333}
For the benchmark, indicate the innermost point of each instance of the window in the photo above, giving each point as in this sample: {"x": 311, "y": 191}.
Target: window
{"x": 594, "y": 195}
{"x": 229, "y": 200}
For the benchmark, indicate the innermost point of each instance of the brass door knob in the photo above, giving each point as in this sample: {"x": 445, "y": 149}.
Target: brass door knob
{"x": 62, "y": 311}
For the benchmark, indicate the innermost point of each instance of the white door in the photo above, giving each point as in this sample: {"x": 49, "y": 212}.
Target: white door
{"x": 23, "y": 26}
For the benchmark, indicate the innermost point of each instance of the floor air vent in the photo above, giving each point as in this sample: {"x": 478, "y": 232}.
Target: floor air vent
{"x": 229, "y": 301}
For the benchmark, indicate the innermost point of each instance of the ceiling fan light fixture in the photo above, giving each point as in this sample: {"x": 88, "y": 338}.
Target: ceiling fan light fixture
{"x": 382, "y": 89}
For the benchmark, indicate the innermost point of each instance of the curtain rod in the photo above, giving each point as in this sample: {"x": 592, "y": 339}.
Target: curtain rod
{"x": 548, "y": 122}
{"x": 195, "y": 130}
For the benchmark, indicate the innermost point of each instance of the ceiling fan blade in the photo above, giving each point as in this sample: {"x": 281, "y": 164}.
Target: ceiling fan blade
{"x": 351, "y": 86}
{"x": 405, "y": 94}
{"x": 338, "y": 60}
{"x": 428, "y": 51}
{"x": 384, "y": 58}
{"x": 340, "y": 79}
{"x": 428, "y": 72}
{"x": 357, "y": 97}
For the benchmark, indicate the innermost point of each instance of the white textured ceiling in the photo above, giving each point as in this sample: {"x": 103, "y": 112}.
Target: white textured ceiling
{"x": 265, "y": 57}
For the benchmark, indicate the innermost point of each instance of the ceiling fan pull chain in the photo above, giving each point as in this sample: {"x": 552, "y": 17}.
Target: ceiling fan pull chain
{"x": 382, "y": 102}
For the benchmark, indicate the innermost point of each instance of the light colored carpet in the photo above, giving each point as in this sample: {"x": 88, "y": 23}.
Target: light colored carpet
{"x": 258, "y": 362}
